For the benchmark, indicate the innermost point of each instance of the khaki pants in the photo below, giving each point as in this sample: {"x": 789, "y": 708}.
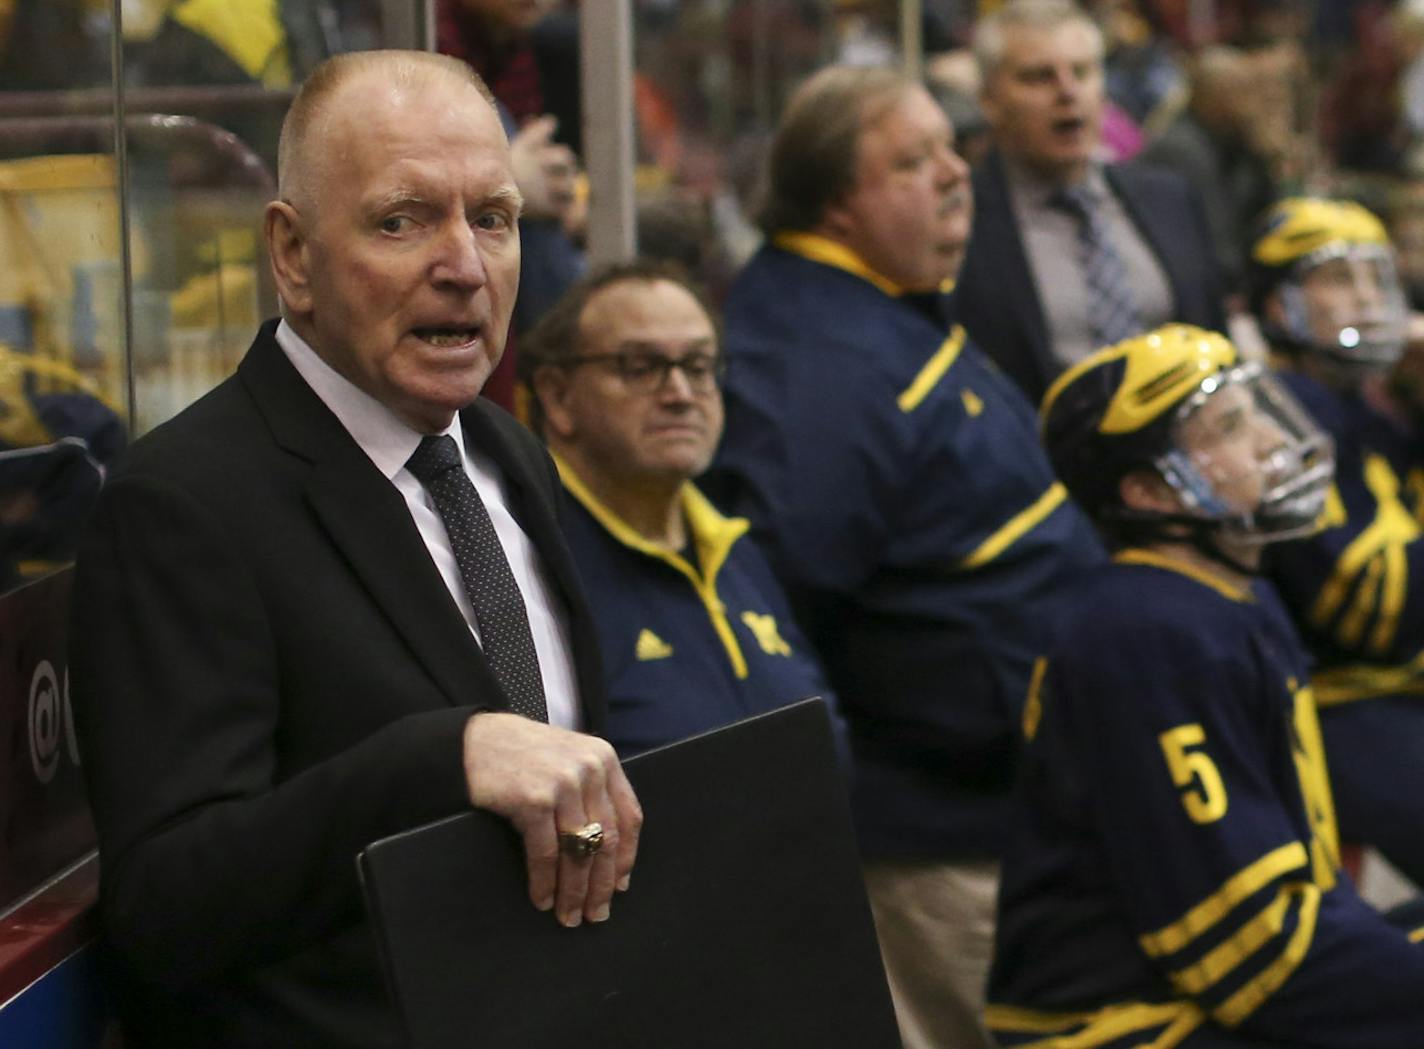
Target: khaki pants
{"x": 936, "y": 927}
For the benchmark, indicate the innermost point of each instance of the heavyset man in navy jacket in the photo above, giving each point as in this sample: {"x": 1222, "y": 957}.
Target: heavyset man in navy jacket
{"x": 897, "y": 477}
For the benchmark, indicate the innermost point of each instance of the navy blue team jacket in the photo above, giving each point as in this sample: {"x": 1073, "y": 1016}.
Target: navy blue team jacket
{"x": 687, "y": 646}
{"x": 896, "y": 480}
{"x": 1174, "y": 864}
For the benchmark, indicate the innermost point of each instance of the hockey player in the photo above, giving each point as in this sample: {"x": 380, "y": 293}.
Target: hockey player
{"x": 1172, "y": 880}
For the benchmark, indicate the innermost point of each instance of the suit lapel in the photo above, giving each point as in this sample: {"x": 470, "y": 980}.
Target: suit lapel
{"x": 1154, "y": 233}
{"x": 367, "y": 520}
{"x": 1013, "y": 266}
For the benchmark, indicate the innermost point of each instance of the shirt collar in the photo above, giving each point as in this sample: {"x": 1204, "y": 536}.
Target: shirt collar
{"x": 712, "y": 534}
{"x": 1029, "y": 187}
{"x": 387, "y": 439}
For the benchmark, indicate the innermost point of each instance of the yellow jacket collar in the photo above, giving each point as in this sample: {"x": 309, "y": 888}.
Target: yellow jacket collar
{"x": 1139, "y": 556}
{"x": 829, "y": 252}
{"x": 713, "y": 533}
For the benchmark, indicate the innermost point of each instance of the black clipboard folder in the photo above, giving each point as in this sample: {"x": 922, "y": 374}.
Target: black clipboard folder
{"x": 746, "y": 925}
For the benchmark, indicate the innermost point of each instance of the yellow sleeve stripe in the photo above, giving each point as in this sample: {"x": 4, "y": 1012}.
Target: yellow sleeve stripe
{"x": 1417, "y": 936}
{"x": 1396, "y": 583}
{"x": 1021, "y": 523}
{"x": 1172, "y": 938}
{"x": 1033, "y": 706}
{"x": 1245, "y": 1001}
{"x": 932, "y": 372}
{"x": 1367, "y": 681}
{"x": 1247, "y": 940}
{"x": 1102, "y": 1027}
{"x": 1352, "y": 626}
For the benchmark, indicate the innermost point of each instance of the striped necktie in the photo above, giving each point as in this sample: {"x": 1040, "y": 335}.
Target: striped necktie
{"x": 1112, "y": 313}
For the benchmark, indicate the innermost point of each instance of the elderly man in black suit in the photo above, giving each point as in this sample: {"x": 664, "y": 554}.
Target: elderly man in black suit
{"x": 1069, "y": 254}
{"x": 330, "y": 600}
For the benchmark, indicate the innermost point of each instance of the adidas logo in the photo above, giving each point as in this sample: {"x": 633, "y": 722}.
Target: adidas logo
{"x": 650, "y": 646}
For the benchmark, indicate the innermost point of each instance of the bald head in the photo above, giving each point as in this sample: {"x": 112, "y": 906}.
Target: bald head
{"x": 301, "y": 156}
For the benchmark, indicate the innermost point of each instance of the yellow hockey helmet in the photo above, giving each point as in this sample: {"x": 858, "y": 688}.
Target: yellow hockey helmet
{"x": 1322, "y": 280}
{"x": 1242, "y": 456}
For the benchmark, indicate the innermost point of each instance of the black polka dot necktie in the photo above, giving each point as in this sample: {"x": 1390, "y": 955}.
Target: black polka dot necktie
{"x": 489, "y": 583}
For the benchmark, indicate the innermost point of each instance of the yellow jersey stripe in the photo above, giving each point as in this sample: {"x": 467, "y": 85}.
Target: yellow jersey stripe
{"x": 1246, "y": 941}
{"x": 1352, "y": 626}
{"x": 1172, "y": 938}
{"x": 932, "y": 372}
{"x": 1245, "y": 1001}
{"x": 1102, "y": 1026}
{"x": 1417, "y": 936}
{"x": 1137, "y": 556}
{"x": 1396, "y": 583}
{"x": 1017, "y": 526}
{"x": 1392, "y": 523}
{"x": 1363, "y": 681}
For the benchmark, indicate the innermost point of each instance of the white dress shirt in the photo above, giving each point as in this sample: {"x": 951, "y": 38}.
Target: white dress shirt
{"x": 390, "y": 443}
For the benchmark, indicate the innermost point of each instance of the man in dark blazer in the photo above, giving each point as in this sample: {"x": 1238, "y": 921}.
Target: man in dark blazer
{"x": 275, "y": 659}
{"x": 1024, "y": 292}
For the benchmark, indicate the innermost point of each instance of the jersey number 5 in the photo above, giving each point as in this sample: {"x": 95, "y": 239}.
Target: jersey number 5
{"x": 1203, "y": 793}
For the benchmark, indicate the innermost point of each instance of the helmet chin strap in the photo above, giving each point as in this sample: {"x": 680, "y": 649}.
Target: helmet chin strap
{"x": 1203, "y": 540}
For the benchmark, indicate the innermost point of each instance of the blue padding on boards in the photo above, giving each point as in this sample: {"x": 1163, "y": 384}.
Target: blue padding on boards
{"x": 64, "y": 1009}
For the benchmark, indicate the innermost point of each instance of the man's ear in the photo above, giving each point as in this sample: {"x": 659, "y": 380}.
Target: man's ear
{"x": 552, "y": 385}
{"x": 989, "y": 104}
{"x": 287, "y": 248}
{"x": 835, "y": 221}
{"x": 1146, "y": 490}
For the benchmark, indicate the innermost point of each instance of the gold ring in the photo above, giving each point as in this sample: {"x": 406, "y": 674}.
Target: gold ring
{"x": 584, "y": 842}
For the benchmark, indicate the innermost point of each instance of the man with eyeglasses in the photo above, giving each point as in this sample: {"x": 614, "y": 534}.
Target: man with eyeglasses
{"x": 694, "y": 630}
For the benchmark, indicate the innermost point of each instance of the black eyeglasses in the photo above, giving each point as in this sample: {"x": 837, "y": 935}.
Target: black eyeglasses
{"x": 646, "y": 372}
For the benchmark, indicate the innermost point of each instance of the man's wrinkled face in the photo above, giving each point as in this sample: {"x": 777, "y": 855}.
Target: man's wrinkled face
{"x": 409, "y": 245}
{"x": 628, "y": 417}
{"x": 1044, "y": 101}
{"x": 909, "y": 211}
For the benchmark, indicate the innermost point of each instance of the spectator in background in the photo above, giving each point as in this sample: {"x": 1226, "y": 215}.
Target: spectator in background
{"x": 1219, "y": 143}
{"x": 1406, "y": 232}
{"x": 1142, "y": 74}
{"x": 34, "y": 34}
{"x": 57, "y": 442}
{"x": 1325, "y": 291}
{"x": 896, "y": 478}
{"x": 495, "y": 37}
{"x": 1069, "y": 254}
{"x": 694, "y": 629}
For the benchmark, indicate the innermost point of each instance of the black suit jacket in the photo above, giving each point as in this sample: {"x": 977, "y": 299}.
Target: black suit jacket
{"x": 268, "y": 674}
{"x": 997, "y": 298}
